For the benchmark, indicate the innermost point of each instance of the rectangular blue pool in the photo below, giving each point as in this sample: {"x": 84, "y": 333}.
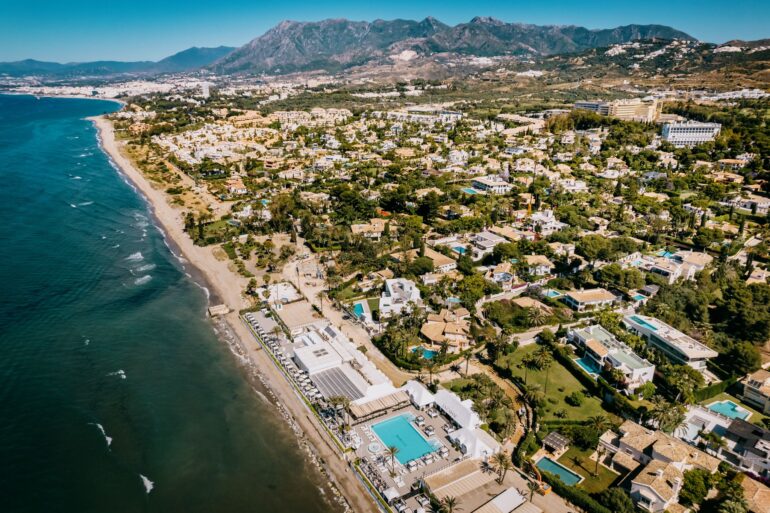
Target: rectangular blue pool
{"x": 644, "y": 323}
{"x": 730, "y": 409}
{"x": 399, "y": 432}
{"x": 567, "y": 477}
{"x": 588, "y": 365}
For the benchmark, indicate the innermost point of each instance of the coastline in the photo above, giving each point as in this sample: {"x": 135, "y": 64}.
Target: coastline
{"x": 227, "y": 286}
{"x": 67, "y": 96}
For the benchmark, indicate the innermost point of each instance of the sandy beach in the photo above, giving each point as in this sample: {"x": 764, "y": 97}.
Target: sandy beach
{"x": 227, "y": 287}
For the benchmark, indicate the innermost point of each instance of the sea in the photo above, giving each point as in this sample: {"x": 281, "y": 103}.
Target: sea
{"x": 116, "y": 394}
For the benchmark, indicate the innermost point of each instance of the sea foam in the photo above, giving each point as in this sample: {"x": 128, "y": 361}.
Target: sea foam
{"x": 142, "y": 280}
{"x": 119, "y": 373}
{"x": 135, "y": 257}
{"x": 148, "y": 485}
{"x": 104, "y": 433}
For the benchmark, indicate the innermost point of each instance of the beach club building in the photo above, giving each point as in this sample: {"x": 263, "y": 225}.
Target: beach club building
{"x": 337, "y": 368}
{"x": 472, "y": 441}
{"x": 678, "y": 347}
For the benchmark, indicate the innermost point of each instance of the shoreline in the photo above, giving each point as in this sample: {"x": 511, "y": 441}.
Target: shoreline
{"x": 66, "y": 96}
{"x": 227, "y": 286}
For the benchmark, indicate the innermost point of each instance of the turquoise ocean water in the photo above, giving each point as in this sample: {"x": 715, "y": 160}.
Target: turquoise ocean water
{"x": 115, "y": 393}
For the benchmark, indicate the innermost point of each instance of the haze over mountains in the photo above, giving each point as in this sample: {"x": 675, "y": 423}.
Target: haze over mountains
{"x": 336, "y": 44}
{"x": 187, "y": 60}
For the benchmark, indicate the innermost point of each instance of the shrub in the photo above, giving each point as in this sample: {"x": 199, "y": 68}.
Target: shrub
{"x": 576, "y": 398}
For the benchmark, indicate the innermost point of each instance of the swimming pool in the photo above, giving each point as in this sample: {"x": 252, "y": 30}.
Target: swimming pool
{"x": 639, "y": 297}
{"x": 665, "y": 254}
{"x": 729, "y": 409}
{"x": 358, "y": 310}
{"x": 460, "y": 249}
{"x": 567, "y": 477}
{"x": 552, "y": 293}
{"x": 399, "y": 432}
{"x": 588, "y": 365}
{"x": 426, "y": 353}
{"x": 470, "y": 190}
{"x": 644, "y": 323}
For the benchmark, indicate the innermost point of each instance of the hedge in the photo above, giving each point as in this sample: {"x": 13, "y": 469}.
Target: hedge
{"x": 713, "y": 389}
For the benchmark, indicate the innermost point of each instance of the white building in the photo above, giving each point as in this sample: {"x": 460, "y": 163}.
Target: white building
{"x": 399, "y": 296}
{"x": 690, "y": 133}
{"x": 604, "y": 349}
{"x": 337, "y": 368}
{"x": 483, "y": 243}
{"x": 545, "y": 223}
{"x": 491, "y": 183}
{"x": 678, "y": 347}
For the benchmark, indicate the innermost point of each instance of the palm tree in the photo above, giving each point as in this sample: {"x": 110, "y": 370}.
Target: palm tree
{"x": 536, "y": 316}
{"x": 431, "y": 366}
{"x": 467, "y": 355}
{"x": 391, "y": 452}
{"x": 533, "y": 395}
{"x": 510, "y": 423}
{"x": 543, "y": 361}
{"x": 529, "y": 363}
{"x": 450, "y": 504}
{"x": 533, "y": 487}
{"x": 599, "y": 455}
{"x": 599, "y": 422}
{"x": 501, "y": 462}
{"x": 505, "y": 465}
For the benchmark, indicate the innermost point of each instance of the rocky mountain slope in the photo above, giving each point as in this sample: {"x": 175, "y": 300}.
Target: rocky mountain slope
{"x": 336, "y": 44}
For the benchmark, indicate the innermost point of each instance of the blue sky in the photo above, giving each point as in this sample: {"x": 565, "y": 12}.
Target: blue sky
{"x": 80, "y": 30}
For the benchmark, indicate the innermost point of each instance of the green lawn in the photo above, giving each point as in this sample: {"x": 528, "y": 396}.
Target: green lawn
{"x": 591, "y": 484}
{"x": 347, "y": 294}
{"x": 756, "y": 416}
{"x": 561, "y": 383}
{"x": 374, "y": 303}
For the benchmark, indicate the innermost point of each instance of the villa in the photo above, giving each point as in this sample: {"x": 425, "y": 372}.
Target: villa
{"x": 398, "y": 296}
{"x": 491, "y": 183}
{"x": 545, "y": 223}
{"x": 538, "y": 265}
{"x": 448, "y": 327}
{"x": 590, "y": 299}
{"x": 503, "y": 275}
{"x": 678, "y": 347}
{"x": 372, "y": 230}
{"x": 603, "y": 350}
{"x": 657, "y": 463}
{"x": 483, "y": 243}
{"x": 756, "y": 390}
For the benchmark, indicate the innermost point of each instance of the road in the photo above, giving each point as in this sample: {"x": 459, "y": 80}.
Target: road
{"x": 311, "y": 287}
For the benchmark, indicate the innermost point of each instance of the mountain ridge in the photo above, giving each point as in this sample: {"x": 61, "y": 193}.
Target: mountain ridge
{"x": 191, "y": 59}
{"x": 337, "y": 44}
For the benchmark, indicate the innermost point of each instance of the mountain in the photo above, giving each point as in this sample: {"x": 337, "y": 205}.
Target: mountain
{"x": 328, "y": 44}
{"x": 337, "y": 44}
{"x": 186, "y": 60}
{"x": 191, "y": 59}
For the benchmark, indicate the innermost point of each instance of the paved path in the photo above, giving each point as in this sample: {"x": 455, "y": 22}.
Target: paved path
{"x": 310, "y": 287}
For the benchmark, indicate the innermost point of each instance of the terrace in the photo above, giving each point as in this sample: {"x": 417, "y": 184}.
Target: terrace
{"x": 424, "y": 448}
